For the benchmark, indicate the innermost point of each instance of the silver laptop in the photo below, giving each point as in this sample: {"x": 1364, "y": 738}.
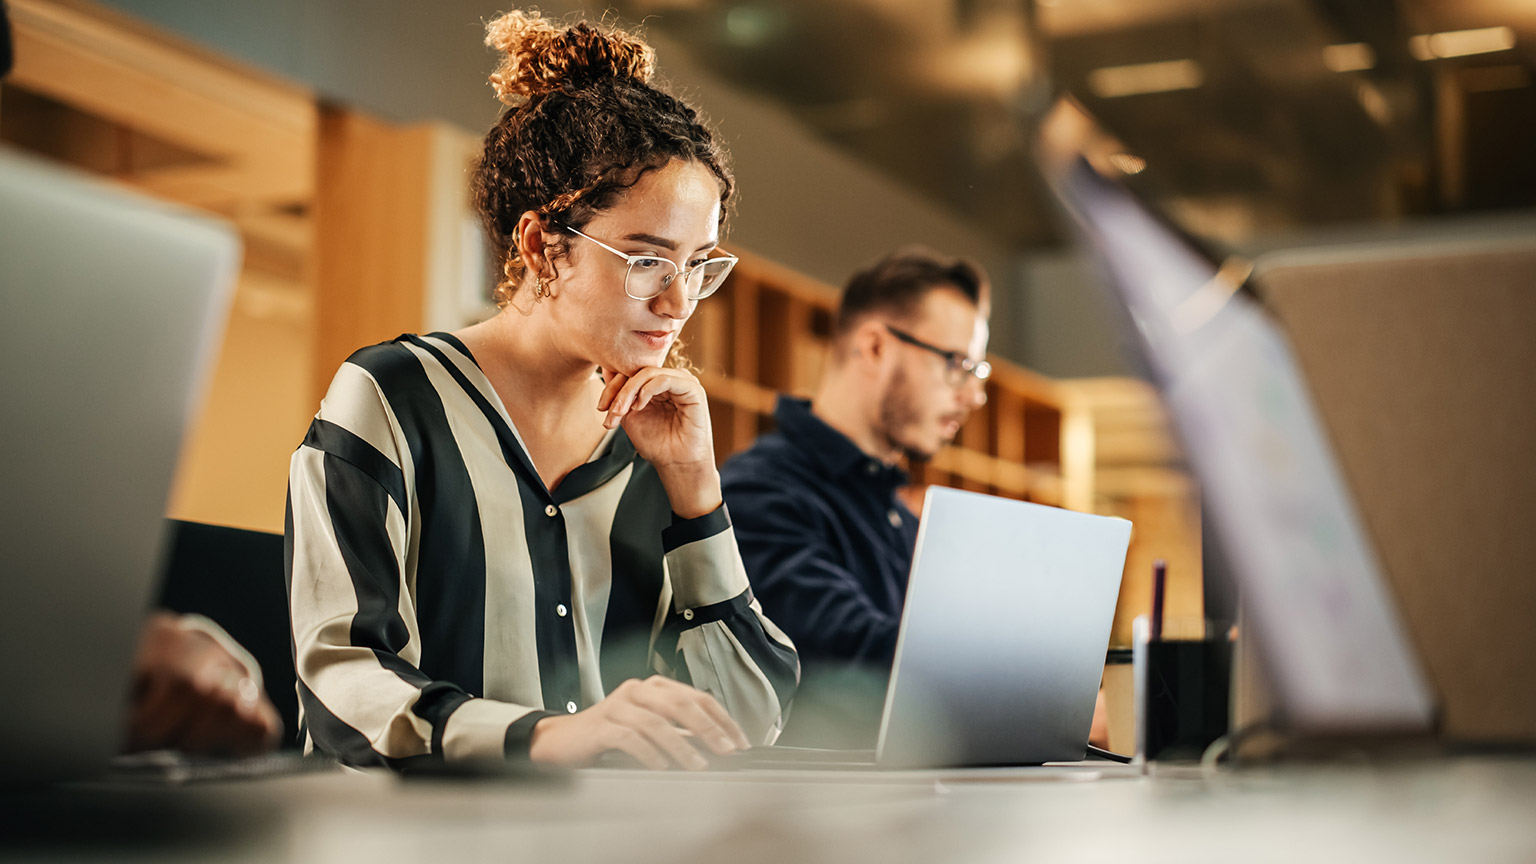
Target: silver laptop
{"x": 1002, "y": 639}
{"x": 110, "y": 306}
{"x": 1003, "y": 634}
{"x": 1331, "y": 640}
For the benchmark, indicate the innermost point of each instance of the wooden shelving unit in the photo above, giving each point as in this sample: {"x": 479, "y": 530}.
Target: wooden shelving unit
{"x": 767, "y": 332}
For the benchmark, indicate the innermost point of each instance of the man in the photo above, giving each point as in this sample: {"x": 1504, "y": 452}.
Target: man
{"x": 826, "y": 540}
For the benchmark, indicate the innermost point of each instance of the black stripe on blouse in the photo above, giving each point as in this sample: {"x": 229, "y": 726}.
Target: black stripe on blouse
{"x": 450, "y": 606}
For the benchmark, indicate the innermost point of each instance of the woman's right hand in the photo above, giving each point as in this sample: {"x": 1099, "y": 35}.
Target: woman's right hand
{"x": 656, "y": 720}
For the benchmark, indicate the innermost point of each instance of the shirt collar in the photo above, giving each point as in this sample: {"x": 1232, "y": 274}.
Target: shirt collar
{"x": 835, "y": 451}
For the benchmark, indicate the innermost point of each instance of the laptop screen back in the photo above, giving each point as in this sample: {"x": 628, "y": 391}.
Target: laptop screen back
{"x": 1330, "y": 638}
{"x": 1003, "y": 633}
{"x": 111, "y": 305}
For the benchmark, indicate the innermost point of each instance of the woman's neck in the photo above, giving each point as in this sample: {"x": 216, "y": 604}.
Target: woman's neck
{"x": 550, "y": 397}
{"x": 515, "y": 352}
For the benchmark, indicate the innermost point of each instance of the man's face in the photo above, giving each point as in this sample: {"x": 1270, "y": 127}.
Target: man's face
{"x": 925, "y": 402}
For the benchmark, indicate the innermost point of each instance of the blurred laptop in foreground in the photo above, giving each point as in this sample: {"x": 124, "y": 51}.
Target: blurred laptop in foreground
{"x": 113, "y": 304}
{"x": 1357, "y": 613}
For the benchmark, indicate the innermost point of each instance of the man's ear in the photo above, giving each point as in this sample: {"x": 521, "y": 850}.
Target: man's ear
{"x": 869, "y": 345}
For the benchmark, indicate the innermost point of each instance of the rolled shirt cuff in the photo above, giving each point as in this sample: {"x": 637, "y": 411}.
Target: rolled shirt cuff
{"x": 703, "y": 562}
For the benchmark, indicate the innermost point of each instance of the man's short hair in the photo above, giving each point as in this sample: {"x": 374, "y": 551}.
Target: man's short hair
{"x": 897, "y": 283}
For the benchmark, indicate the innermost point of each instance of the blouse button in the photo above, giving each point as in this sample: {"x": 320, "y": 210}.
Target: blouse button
{"x": 550, "y": 510}
{"x": 560, "y": 610}
{"x": 570, "y": 707}
{"x": 687, "y": 614}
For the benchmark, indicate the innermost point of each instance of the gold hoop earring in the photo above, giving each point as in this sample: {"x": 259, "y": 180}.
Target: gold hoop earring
{"x": 541, "y": 288}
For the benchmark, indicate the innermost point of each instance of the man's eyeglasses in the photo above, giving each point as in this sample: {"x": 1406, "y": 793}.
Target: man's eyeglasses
{"x": 649, "y": 275}
{"x": 957, "y": 367}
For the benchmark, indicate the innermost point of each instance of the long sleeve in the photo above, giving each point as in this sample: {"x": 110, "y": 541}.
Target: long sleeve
{"x": 357, "y": 647}
{"x": 795, "y": 553}
{"x": 713, "y": 633}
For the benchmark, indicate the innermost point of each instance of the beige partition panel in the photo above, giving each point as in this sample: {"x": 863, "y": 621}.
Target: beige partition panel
{"x": 1422, "y": 362}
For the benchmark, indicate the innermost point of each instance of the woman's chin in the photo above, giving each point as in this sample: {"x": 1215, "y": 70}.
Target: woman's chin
{"x": 629, "y": 363}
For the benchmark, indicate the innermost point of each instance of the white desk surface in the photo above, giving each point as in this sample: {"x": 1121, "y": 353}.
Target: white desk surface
{"x": 1462, "y": 810}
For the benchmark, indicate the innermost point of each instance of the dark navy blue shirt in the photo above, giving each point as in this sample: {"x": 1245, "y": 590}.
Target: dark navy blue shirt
{"x": 827, "y": 546}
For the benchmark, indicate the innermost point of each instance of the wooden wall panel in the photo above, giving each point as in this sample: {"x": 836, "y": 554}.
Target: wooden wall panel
{"x": 256, "y": 130}
{"x": 372, "y": 211}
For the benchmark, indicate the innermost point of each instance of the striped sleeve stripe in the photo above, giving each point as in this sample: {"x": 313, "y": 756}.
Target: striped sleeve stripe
{"x": 354, "y": 401}
{"x": 341, "y": 740}
{"x": 342, "y": 443}
{"x": 365, "y": 548}
{"x": 436, "y": 705}
{"x": 778, "y": 662}
{"x": 713, "y": 568}
{"x": 686, "y": 531}
{"x": 717, "y": 611}
{"x": 743, "y": 689}
{"x": 323, "y": 610}
{"x": 483, "y": 728}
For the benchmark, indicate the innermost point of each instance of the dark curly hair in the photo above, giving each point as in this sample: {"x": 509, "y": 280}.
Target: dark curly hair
{"x": 583, "y": 124}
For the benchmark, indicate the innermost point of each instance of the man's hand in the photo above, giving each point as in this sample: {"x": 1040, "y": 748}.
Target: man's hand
{"x": 192, "y": 694}
{"x": 657, "y": 721}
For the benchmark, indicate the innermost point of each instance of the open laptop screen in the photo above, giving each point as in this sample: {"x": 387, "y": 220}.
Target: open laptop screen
{"x": 1328, "y": 634}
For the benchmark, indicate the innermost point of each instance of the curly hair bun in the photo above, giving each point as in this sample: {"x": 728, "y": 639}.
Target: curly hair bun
{"x": 542, "y": 56}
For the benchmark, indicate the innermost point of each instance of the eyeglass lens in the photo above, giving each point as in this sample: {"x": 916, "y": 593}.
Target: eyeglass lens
{"x": 649, "y": 277}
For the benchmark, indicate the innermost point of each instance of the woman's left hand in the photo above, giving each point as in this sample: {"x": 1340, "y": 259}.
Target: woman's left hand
{"x": 666, "y": 415}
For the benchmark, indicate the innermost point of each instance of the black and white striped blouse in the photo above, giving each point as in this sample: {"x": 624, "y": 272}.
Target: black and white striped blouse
{"x": 443, "y": 600}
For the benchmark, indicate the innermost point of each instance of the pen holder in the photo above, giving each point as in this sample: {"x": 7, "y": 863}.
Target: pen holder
{"x": 1183, "y": 693}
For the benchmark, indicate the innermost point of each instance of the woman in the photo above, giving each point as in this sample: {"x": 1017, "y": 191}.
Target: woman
{"x": 498, "y": 536}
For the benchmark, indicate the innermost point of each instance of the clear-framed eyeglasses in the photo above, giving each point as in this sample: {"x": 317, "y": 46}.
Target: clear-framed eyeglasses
{"x": 648, "y": 276}
{"x": 958, "y": 368}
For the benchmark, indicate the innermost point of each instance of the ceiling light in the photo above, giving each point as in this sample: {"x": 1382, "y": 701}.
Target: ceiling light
{"x": 1127, "y": 163}
{"x": 1459, "y": 43}
{"x": 1349, "y": 57}
{"x": 1112, "y": 81}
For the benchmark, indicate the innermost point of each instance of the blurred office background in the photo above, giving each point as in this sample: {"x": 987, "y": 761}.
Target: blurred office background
{"x": 335, "y": 134}
{"x": 859, "y": 123}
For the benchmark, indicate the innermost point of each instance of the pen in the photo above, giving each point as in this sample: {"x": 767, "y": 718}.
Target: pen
{"x": 1159, "y": 584}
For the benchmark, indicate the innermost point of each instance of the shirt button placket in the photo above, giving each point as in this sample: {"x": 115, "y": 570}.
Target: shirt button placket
{"x": 561, "y": 610}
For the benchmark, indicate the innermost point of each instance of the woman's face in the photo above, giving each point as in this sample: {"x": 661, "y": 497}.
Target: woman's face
{"x": 672, "y": 212}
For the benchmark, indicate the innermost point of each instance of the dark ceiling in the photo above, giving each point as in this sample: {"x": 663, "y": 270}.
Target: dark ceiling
{"x": 1258, "y": 127}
